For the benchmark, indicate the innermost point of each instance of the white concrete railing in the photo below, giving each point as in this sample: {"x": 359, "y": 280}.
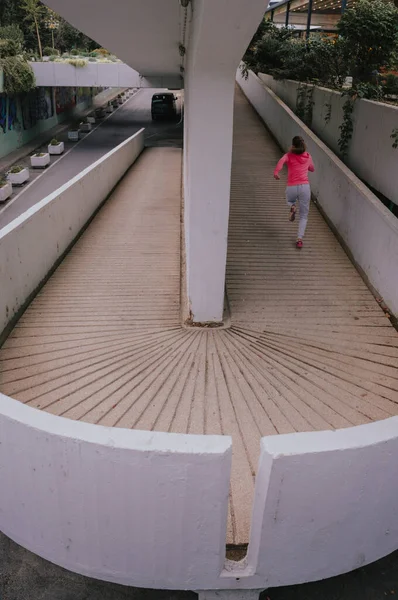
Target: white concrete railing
{"x": 370, "y": 154}
{"x": 369, "y": 229}
{"x": 32, "y": 243}
{"x": 118, "y": 74}
{"x": 150, "y": 509}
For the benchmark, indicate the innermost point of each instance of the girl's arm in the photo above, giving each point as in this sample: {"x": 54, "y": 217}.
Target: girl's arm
{"x": 311, "y": 165}
{"x": 279, "y": 166}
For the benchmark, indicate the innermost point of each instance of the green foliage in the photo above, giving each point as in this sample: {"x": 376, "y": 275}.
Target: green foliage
{"x": 8, "y": 48}
{"x": 18, "y": 75}
{"x": 49, "y": 51}
{"x": 14, "y": 33}
{"x": 370, "y": 31}
{"x": 3, "y": 181}
{"x": 76, "y": 62}
{"x": 394, "y": 137}
{"x": 54, "y": 142}
{"x": 16, "y": 169}
{"x": 347, "y": 126}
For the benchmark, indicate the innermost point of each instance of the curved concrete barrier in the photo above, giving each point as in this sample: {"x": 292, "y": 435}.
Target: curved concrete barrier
{"x": 132, "y": 507}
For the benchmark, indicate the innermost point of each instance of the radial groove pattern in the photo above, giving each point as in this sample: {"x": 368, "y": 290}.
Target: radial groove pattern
{"x": 309, "y": 348}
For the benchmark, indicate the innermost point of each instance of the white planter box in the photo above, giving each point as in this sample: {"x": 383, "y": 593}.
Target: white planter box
{"x": 85, "y": 127}
{"x": 40, "y": 162}
{"x": 109, "y": 109}
{"x": 18, "y": 178}
{"x": 100, "y": 113}
{"x": 91, "y": 120}
{"x": 73, "y": 136}
{"x": 120, "y": 100}
{"x": 56, "y": 149}
{"x": 5, "y": 192}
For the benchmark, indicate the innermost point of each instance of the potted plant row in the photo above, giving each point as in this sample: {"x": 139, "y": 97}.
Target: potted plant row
{"x": 56, "y": 147}
{"x": 90, "y": 120}
{"x": 18, "y": 175}
{"x": 5, "y": 189}
{"x": 40, "y": 160}
{"x": 109, "y": 108}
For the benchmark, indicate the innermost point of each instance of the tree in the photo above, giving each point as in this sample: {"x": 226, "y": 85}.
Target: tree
{"x": 370, "y": 30}
{"x": 34, "y": 14}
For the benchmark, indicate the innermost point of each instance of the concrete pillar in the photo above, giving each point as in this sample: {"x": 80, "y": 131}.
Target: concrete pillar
{"x": 219, "y": 35}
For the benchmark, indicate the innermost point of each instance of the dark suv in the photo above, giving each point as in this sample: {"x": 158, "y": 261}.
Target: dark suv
{"x": 163, "y": 106}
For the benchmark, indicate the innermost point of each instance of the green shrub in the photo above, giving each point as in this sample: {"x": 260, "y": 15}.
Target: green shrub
{"x": 77, "y": 62}
{"x": 48, "y": 51}
{"x": 54, "y": 142}
{"x": 8, "y": 48}
{"x": 91, "y": 59}
{"x": 94, "y": 54}
{"x": 16, "y": 169}
{"x": 12, "y": 32}
{"x": 74, "y": 52}
{"x": 18, "y": 75}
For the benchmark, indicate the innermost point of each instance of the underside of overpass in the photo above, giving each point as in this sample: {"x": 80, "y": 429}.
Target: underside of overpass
{"x": 308, "y": 348}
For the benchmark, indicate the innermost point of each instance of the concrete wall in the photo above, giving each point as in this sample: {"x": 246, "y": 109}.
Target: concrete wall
{"x": 51, "y": 225}
{"x": 325, "y": 503}
{"x": 369, "y": 230}
{"x": 133, "y": 507}
{"x": 371, "y": 155}
{"x": 59, "y": 74}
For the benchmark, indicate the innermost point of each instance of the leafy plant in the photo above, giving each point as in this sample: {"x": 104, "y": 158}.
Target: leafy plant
{"x": 328, "y": 114}
{"x": 370, "y": 32}
{"x": 16, "y": 169}
{"x": 39, "y": 154}
{"x": 54, "y": 142}
{"x": 49, "y": 51}
{"x": 18, "y": 75}
{"x": 76, "y": 62}
{"x": 14, "y": 33}
{"x": 3, "y": 181}
{"x": 347, "y": 127}
{"x": 394, "y": 137}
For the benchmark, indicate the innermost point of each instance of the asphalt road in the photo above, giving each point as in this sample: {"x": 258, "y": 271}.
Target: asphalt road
{"x": 134, "y": 114}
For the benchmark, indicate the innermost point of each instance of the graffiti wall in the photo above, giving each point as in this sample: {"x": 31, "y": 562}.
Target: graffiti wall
{"x": 23, "y": 117}
{"x": 65, "y": 99}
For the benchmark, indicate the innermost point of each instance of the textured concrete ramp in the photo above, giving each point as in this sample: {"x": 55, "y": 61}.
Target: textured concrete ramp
{"x": 309, "y": 348}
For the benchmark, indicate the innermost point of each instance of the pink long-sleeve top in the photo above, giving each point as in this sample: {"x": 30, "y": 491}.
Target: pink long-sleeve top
{"x": 298, "y": 166}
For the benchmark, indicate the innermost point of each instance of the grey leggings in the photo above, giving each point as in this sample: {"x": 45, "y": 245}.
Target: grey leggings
{"x": 302, "y": 194}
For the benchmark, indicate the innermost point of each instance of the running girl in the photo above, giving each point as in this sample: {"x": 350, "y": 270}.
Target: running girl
{"x": 298, "y": 162}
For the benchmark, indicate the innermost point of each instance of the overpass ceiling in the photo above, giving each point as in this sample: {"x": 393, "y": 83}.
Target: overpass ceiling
{"x": 145, "y": 34}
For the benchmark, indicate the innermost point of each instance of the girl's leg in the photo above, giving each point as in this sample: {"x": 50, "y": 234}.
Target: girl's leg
{"x": 291, "y": 199}
{"x": 304, "y": 196}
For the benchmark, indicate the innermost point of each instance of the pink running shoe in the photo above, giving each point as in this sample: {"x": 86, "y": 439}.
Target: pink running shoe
{"x": 299, "y": 244}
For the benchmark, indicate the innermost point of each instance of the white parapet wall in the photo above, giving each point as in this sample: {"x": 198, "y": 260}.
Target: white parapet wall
{"x": 132, "y": 507}
{"x": 31, "y": 244}
{"x": 371, "y": 154}
{"x": 96, "y": 74}
{"x": 366, "y": 226}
